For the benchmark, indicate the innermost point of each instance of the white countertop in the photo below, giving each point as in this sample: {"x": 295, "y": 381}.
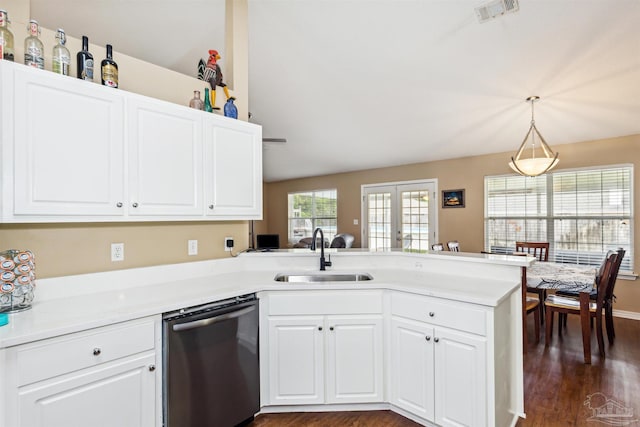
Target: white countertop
{"x": 74, "y": 303}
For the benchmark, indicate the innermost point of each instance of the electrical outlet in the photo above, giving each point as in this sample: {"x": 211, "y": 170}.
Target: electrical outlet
{"x": 228, "y": 244}
{"x": 192, "y": 247}
{"x": 117, "y": 252}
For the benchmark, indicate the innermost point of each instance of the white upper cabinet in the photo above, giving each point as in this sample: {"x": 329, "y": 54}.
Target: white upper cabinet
{"x": 165, "y": 158}
{"x": 233, "y": 154}
{"x": 68, "y": 146}
{"x": 72, "y": 151}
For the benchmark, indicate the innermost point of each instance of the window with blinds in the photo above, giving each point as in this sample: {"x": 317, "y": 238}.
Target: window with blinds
{"x": 581, "y": 213}
{"x": 311, "y": 209}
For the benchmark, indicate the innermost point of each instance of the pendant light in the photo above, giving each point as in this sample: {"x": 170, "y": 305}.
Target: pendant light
{"x": 541, "y": 158}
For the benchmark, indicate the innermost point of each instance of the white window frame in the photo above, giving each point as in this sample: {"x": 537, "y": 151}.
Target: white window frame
{"x": 328, "y": 235}
{"x": 365, "y": 189}
{"x": 549, "y": 217}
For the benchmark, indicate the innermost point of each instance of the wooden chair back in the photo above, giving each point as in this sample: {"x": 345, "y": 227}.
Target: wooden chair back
{"x": 538, "y": 249}
{"x": 607, "y": 277}
{"x": 614, "y": 276}
{"x": 453, "y": 246}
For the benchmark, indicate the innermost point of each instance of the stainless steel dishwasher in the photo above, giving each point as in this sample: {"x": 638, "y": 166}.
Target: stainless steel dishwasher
{"x": 211, "y": 374}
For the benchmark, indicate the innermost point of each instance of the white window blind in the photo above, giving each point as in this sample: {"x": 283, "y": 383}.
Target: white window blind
{"x": 581, "y": 213}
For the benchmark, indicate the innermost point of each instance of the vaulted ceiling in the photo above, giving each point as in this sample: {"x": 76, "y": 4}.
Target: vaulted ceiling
{"x": 358, "y": 84}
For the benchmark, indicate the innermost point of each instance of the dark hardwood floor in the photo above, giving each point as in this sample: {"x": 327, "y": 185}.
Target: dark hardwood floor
{"x": 557, "y": 384}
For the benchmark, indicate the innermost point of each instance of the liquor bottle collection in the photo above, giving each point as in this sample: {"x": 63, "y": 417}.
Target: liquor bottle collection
{"x": 61, "y": 58}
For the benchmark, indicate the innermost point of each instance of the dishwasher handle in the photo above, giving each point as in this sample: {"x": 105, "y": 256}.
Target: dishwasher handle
{"x": 211, "y": 320}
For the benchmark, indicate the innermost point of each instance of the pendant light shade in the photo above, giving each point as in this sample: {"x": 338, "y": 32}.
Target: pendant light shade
{"x": 533, "y": 159}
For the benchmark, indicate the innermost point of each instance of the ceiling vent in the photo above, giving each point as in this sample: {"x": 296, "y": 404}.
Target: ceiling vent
{"x": 495, "y": 9}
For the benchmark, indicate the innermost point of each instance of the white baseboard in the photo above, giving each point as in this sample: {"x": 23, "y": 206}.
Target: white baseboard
{"x": 626, "y": 314}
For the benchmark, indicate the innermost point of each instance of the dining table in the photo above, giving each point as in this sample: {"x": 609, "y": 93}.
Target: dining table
{"x": 561, "y": 276}
{"x": 558, "y": 277}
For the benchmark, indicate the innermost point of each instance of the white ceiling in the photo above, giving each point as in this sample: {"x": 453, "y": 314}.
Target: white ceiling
{"x": 358, "y": 84}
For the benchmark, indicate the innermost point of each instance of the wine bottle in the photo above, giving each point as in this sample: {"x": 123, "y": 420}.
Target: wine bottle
{"x": 85, "y": 61}
{"x": 6, "y": 37}
{"x": 109, "y": 69}
{"x": 207, "y": 103}
{"x": 33, "y": 47}
{"x": 61, "y": 58}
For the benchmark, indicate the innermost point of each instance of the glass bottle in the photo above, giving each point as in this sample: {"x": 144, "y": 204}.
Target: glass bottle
{"x": 85, "y": 61}
{"x": 33, "y": 47}
{"x": 196, "y": 102}
{"x": 6, "y": 37}
{"x": 207, "y": 103}
{"x": 230, "y": 109}
{"x": 109, "y": 69}
{"x": 61, "y": 58}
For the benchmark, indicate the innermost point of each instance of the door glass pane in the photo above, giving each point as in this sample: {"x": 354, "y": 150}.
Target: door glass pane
{"x": 415, "y": 221}
{"x": 379, "y": 221}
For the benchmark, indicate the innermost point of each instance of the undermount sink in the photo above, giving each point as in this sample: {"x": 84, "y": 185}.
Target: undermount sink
{"x": 322, "y": 277}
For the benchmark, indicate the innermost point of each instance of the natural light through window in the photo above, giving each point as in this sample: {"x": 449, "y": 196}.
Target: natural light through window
{"x": 581, "y": 213}
{"x": 311, "y": 209}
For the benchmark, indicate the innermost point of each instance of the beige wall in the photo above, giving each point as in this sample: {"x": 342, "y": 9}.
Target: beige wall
{"x": 64, "y": 249}
{"x": 465, "y": 225}
{"x": 145, "y": 78}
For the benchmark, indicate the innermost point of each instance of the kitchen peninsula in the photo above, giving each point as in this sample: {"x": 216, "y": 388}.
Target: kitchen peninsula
{"x": 434, "y": 337}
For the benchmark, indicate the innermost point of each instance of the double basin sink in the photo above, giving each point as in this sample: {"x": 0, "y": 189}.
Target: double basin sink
{"x": 309, "y": 277}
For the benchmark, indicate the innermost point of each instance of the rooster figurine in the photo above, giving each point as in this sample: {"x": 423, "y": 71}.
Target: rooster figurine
{"x": 212, "y": 73}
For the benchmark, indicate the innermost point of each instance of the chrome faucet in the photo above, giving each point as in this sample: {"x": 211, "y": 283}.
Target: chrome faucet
{"x": 323, "y": 263}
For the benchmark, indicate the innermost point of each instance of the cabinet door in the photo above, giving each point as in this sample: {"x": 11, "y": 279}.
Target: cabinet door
{"x": 354, "y": 359}
{"x": 460, "y": 378}
{"x": 412, "y": 369}
{"x": 296, "y": 360}
{"x": 233, "y": 153}
{"x": 68, "y": 146}
{"x": 165, "y": 159}
{"x": 120, "y": 394}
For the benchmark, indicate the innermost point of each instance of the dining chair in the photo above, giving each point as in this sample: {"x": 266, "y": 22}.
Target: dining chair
{"x": 453, "y": 246}
{"x": 584, "y": 308}
{"x": 541, "y": 251}
{"x": 437, "y": 247}
{"x": 593, "y": 295}
{"x": 529, "y": 305}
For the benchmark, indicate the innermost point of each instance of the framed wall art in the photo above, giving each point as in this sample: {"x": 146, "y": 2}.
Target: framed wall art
{"x": 453, "y": 198}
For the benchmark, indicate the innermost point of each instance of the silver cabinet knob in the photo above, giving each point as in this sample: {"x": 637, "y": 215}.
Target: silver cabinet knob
{"x": 436, "y": 340}
{"x": 319, "y": 328}
{"x": 97, "y": 351}
{"x": 134, "y": 204}
{"x": 428, "y": 338}
{"x": 119, "y": 204}
{"x": 211, "y": 206}
{"x": 431, "y": 314}
{"x": 331, "y": 328}
{"x": 152, "y": 368}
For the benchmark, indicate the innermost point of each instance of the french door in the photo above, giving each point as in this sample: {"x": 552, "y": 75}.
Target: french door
{"x": 400, "y": 215}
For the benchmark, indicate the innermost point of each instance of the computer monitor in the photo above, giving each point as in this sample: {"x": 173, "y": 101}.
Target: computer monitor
{"x": 267, "y": 241}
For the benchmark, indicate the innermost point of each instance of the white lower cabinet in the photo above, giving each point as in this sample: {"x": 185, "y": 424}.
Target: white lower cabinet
{"x": 116, "y": 394}
{"x": 296, "y": 360}
{"x": 412, "y": 379}
{"x": 448, "y": 363}
{"x": 438, "y": 373}
{"x": 318, "y": 355}
{"x": 100, "y": 377}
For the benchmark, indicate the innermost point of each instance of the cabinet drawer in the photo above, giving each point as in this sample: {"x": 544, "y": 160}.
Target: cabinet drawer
{"x": 60, "y": 355}
{"x": 325, "y": 302}
{"x": 461, "y": 316}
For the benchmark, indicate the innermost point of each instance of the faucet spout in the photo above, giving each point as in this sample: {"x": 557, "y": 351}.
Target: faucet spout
{"x": 323, "y": 263}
